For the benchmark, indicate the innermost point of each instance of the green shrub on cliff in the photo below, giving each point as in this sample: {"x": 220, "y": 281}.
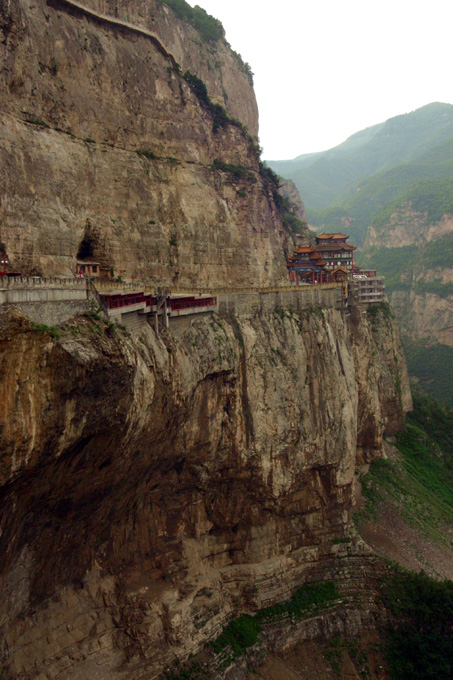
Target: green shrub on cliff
{"x": 208, "y": 27}
{"x": 239, "y": 634}
{"x": 220, "y": 117}
{"x": 198, "y": 87}
{"x": 244, "y": 631}
{"x": 54, "y": 332}
{"x": 311, "y": 596}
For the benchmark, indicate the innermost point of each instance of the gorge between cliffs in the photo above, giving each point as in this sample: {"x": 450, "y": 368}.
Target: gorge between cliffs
{"x": 157, "y": 485}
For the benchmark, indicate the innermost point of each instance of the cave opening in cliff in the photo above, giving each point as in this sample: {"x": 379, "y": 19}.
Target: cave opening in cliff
{"x": 86, "y": 248}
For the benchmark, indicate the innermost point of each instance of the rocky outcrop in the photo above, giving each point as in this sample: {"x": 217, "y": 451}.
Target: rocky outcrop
{"x": 289, "y": 189}
{"x": 161, "y": 485}
{"x": 408, "y": 227}
{"x": 104, "y": 144}
{"x": 422, "y": 298}
{"x": 296, "y": 208}
{"x": 226, "y": 76}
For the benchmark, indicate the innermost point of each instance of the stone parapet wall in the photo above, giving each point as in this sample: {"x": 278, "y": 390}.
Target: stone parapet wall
{"x": 53, "y": 313}
{"x": 257, "y": 303}
{"x": 52, "y": 301}
{"x": 38, "y": 282}
{"x": 47, "y": 301}
{"x": 43, "y": 295}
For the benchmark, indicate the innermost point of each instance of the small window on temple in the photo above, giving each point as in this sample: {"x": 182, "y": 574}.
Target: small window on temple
{"x": 95, "y": 268}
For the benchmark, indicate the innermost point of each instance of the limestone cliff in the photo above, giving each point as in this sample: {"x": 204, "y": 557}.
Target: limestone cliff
{"x": 104, "y": 142}
{"x": 296, "y": 216}
{"x": 227, "y": 78}
{"x": 158, "y": 486}
{"x": 289, "y": 189}
{"x": 422, "y": 293}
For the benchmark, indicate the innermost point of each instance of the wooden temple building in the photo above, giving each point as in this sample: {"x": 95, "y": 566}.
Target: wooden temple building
{"x": 330, "y": 259}
{"x": 335, "y": 251}
{"x": 307, "y": 266}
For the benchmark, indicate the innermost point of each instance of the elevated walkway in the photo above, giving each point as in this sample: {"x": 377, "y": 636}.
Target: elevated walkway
{"x": 114, "y": 21}
{"x": 132, "y": 304}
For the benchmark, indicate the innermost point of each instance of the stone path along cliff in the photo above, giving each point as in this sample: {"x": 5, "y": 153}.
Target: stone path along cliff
{"x": 118, "y": 22}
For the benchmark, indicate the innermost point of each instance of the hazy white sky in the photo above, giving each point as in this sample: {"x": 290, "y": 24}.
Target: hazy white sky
{"x": 325, "y": 69}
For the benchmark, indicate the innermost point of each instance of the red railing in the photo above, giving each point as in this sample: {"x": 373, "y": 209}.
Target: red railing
{"x": 191, "y": 303}
{"x": 116, "y": 301}
{"x": 128, "y": 299}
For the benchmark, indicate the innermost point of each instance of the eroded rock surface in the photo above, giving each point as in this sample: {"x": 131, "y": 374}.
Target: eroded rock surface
{"x": 423, "y": 303}
{"x": 103, "y": 141}
{"x": 158, "y": 486}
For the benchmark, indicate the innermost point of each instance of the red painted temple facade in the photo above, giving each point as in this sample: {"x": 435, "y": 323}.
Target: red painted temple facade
{"x": 335, "y": 251}
{"x": 330, "y": 259}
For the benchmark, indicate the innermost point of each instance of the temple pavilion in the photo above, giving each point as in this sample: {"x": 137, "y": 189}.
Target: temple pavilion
{"x": 335, "y": 251}
{"x": 306, "y": 265}
{"x": 330, "y": 259}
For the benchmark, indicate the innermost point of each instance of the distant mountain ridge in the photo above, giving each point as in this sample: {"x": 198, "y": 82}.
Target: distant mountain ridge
{"x": 331, "y": 177}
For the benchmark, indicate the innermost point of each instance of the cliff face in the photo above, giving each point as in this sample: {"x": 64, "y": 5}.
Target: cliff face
{"x": 218, "y": 66}
{"x": 422, "y": 299}
{"x": 103, "y": 141}
{"x": 159, "y": 486}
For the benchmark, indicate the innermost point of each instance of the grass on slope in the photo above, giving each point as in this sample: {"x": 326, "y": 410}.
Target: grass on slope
{"x": 420, "y": 481}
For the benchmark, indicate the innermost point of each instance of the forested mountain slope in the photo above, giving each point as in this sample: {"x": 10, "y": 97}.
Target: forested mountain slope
{"x": 330, "y": 177}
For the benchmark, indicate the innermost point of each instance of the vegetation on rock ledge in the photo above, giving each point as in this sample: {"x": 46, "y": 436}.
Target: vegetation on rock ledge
{"x": 291, "y": 221}
{"x": 219, "y": 115}
{"x": 208, "y": 27}
{"x": 237, "y": 171}
{"x": 244, "y": 631}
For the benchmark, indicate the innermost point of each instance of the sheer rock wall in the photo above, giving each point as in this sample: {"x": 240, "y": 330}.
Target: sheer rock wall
{"x": 159, "y": 486}
{"x": 423, "y": 313}
{"x": 102, "y": 140}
